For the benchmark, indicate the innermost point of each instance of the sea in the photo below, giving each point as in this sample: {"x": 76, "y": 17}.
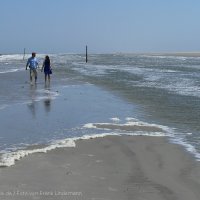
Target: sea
{"x": 111, "y": 94}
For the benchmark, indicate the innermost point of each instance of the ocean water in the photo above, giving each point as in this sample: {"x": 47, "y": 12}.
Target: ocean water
{"x": 112, "y": 94}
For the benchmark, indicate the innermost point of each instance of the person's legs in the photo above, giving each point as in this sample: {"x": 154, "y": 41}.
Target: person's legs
{"x": 30, "y": 75}
{"x": 35, "y": 73}
{"x": 45, "y": 77}
{"x": 49, "y": 77}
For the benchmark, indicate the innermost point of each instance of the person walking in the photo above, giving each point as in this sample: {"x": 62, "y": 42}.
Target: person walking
{"x": 33, "y": 64}
{"x": 47, "y": 68}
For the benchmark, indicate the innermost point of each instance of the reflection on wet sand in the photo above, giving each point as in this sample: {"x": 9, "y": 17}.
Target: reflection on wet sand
{"x": 47, "y": 100}
{"x": 32, "y": 104}
{"x": 46, "y": 96}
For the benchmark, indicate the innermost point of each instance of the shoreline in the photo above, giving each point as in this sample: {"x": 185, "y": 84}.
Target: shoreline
{"x": 181, "y": 54}
{"x": 111, "y": 167}
{"x": 178, "y": 54}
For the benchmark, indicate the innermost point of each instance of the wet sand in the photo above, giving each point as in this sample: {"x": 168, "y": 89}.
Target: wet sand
{"x": 112, "y": 167}
{"x": 108, "y": 168}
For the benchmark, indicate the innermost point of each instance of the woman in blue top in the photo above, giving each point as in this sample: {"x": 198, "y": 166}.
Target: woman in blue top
{"x": 47, "y": 68}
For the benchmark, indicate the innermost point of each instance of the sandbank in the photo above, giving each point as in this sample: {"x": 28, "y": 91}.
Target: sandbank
{"x": 112, "y": 167}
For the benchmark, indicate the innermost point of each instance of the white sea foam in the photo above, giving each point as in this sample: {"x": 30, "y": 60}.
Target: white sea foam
{"x": 9, "y": 71}
{"x": 89, "y": 125}
{"x": 119, "y": 127}
{"x": 183, "y": 58}
{"x": 171, "y": 80}
{"x": 8, "y": 159}
{"x": 115, "y": 119}
{"x": 157, "y": 78}
{"x": 132, "y": 122}
{"x": 175, "y": 137}
{"x": 131, "y": 119}
{"x": 190, "y": 148}
{"x": 93, "y": 136}
{"x": 11, "y": 57}
{"x": 91, "y": 69}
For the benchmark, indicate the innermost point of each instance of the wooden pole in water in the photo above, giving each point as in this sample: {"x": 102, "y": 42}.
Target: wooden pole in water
{"x": 86, "y": 55}
{"x": 24, "y": 53}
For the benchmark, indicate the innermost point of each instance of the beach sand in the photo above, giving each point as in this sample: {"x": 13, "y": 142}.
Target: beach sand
{"x": 112, "y": 167}
{"x": 106, "y": 168}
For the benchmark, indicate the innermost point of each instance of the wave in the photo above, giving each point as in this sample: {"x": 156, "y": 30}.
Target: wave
{"x": 9, "y": 71}
{"x": 8, "y": 159}
{"x": 131, "y": 127}
{"x": 11, "y": 57}
{"x": 18, "y": 57}
{"x": 190, "y": 148}
{"x": 134, "y": 127}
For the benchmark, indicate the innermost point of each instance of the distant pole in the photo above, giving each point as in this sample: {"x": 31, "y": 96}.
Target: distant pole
{"x": 86, "y": 55}
{"x": 24, "y": 53}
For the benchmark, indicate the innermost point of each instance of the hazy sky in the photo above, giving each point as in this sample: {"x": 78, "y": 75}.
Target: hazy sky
{"x": 66, "y": 26}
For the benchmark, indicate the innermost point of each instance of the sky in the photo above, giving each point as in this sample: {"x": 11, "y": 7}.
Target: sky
{"x": 105, "y": 26}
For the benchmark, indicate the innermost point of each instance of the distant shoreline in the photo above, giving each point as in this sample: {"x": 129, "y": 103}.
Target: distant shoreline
{"x": 181, "y": 54}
